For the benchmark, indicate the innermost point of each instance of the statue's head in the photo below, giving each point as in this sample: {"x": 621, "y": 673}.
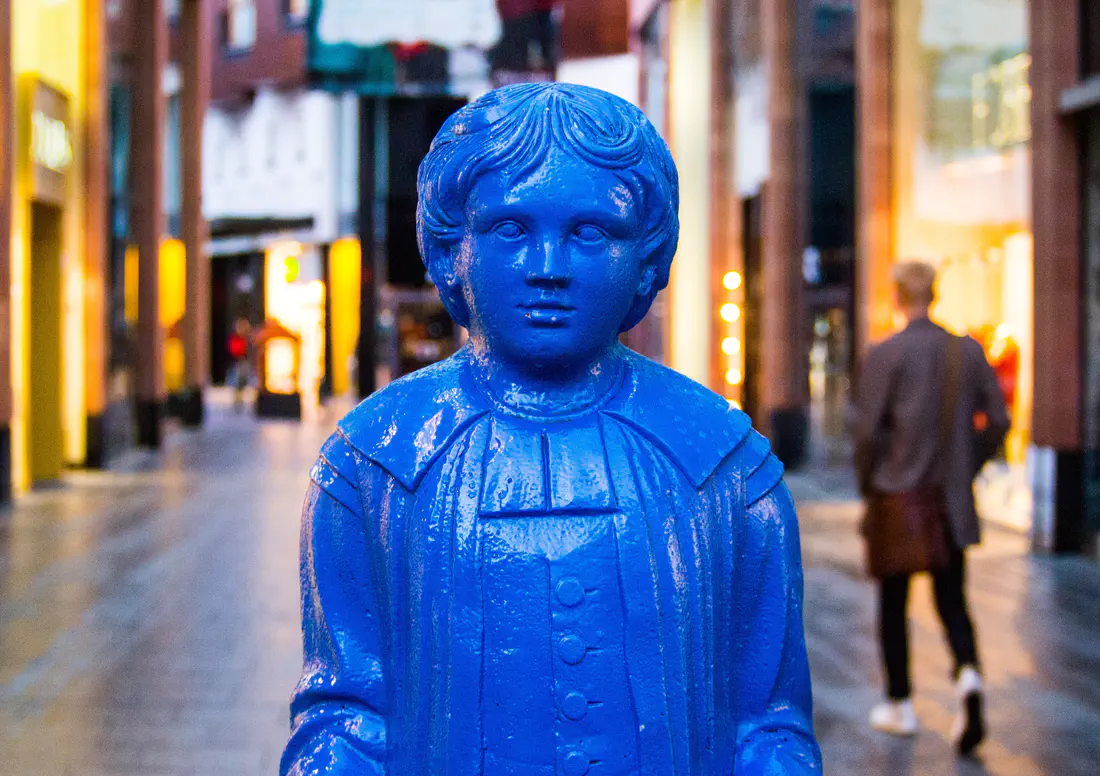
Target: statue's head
{"x": 548, "y": 220}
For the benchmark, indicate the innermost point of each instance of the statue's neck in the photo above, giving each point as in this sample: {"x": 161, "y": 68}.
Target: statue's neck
{"x": 552, "y": 392}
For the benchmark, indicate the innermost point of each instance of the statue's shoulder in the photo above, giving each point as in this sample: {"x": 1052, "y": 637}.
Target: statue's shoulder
{"x": 406, "y": 425}
{"x": 694, "y": 426}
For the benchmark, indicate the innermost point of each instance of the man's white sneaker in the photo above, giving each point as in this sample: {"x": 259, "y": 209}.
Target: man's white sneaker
{"x": 969, "y": 728}
{"x": 898, "y": 718}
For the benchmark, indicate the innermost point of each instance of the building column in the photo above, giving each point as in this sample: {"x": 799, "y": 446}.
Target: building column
{"x": 690, "y": 109}
{"x": 1057, "y": 420}
{"x": 95, "y": 229}
{"x": 784, "y": 394}
{"x": 874, "y": 291}
{"x": 195, "y": 51}
{"x": 7, "y": 180}
{"x": 150, "y": 54}
{"x": 366, "y": 346}
{"x": 727, "y": 371}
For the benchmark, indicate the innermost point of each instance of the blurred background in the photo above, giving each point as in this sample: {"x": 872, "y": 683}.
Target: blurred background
{"x": 207, "y": 235}
{"x": 183, "y": 179}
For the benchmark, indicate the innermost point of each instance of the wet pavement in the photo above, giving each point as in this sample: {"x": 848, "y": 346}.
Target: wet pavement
{"x": 149, "y": 625}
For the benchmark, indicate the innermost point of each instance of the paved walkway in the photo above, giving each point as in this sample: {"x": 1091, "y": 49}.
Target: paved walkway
{"x": 149, "y": 625}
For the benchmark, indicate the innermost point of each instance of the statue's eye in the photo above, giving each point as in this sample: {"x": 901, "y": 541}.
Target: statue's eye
{"x": 587, "y": 233}
{"x": 509, "y": 230}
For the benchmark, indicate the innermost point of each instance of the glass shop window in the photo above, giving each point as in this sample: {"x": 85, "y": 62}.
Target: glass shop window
{"x": 1090, "y": 43}
{"x": 240, "y": 25}
{"x": 296, "y": 11}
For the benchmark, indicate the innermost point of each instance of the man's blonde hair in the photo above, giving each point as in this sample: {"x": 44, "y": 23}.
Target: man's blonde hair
{"x": 915, "y": 282}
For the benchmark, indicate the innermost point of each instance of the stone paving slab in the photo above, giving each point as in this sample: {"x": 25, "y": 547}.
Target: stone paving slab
{"x": 149, "y": 625}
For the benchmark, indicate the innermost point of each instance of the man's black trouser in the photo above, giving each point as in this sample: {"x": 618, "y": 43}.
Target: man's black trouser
{"x": 893, "y": 627}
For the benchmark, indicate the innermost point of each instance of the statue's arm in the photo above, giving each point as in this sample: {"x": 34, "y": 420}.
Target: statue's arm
{"x": 337, "y": 711}
{"x": 775, "y": 731}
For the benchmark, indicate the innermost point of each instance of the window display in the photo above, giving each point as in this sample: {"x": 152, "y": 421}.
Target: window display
{"x": 961, "y": 176}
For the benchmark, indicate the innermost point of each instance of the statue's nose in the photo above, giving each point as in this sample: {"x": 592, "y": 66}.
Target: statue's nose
{"x": 548, "y": 265}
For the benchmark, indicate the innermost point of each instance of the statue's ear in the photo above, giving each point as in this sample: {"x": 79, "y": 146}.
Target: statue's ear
{"x": 654, "y": 278}
{"x": 649, "y": 278}
{"x": 441, "y": 271}
{"x": 643, "y": 298}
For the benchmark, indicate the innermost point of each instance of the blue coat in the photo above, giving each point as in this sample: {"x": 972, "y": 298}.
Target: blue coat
{"x": 615, "y": 593}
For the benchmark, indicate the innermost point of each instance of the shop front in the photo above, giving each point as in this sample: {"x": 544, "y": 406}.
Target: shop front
{"x": 290, "y": 345}
{"x": 48, "y": 273}
{"x": 960, "y": 190}
{"x": 1091, "y": 463}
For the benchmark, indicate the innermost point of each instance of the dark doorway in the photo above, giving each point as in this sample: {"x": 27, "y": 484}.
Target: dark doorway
{"x": 413, "y": 122}
{"x": 236, "y": 291}
{"x": 118, "y": 419}
{"x": 1091, "y": 305}
{"x": 42, "y": 411}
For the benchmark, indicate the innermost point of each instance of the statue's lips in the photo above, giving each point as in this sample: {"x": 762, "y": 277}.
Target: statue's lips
{"x": 547, "y": 313}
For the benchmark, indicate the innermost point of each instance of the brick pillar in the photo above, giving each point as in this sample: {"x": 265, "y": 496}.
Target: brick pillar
{"x": 874, "y": 292}
{"x": 1057, "y": 426}
{"x": 95, "y": 228}
{"x": 195, "y": 51}
{"x": 150, "y": 53}
{"x": 784, "y": 391}
{"x": 7, "y": 180}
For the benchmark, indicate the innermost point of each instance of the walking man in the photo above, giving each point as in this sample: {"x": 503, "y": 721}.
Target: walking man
{"x": 930, "y": 414}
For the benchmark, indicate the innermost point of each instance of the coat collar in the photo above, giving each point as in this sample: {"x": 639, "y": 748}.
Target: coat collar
{"x": 404, "y": 427}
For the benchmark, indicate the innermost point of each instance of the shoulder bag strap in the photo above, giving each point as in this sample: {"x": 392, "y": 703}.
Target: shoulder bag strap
{"x": 953, "y": 368}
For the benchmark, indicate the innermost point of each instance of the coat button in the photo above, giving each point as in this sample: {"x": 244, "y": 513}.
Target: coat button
{"x": 570, "y": 591}
{"x": 571, "y": 648}
{"x": 575, "y": 763}
{"x": 574, "y": 705}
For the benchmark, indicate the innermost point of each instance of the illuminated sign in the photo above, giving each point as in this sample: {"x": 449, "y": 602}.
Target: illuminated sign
{"x": 1001, "y": 104}
{"x": 51, "y": 144}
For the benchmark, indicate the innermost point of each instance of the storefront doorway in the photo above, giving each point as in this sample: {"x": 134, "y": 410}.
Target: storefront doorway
{"x": 236, "y": 294}
{"x": 43, "y": 395}
{"x": 1091, "y": 308}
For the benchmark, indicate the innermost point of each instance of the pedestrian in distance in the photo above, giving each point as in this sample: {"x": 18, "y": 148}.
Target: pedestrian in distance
{"x": 240, "y": 373}
{"x": 930, "y": 414}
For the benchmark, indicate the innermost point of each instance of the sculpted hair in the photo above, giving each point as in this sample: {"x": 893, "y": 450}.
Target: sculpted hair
{"x": 513, "y": 129}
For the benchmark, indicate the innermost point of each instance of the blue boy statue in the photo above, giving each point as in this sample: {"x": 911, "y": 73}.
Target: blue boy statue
{"x": 547, "y": 555}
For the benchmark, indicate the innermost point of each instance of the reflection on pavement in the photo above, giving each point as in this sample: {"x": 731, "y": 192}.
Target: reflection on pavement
{"x": 149, "y": 624}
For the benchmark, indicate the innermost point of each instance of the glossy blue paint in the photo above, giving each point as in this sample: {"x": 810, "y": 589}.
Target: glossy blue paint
{"x": 548, "y": 555}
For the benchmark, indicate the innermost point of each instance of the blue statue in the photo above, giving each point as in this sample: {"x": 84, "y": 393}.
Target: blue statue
{"x": 547, "y": 555}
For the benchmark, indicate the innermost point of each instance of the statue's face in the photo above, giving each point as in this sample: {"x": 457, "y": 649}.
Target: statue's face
{"x": 550, "y": 264}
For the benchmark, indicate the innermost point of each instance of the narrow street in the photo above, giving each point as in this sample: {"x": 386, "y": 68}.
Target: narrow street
{"x": 149, "y": 625}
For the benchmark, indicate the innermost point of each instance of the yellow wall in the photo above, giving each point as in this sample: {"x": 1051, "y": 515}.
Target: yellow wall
{"x": 344, "y": 270}
{"x": 690, "y": 138}
{"x": 173, "y": 300}
{"x": 48, "y": 43}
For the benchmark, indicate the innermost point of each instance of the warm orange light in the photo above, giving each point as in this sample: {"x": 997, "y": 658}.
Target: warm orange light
{"x": 734, "y": 377}
{"x": 731, "y": 346}
{"x": 732, "y": 280}
{"x": 280, "y": 362}
{"x": 130, "y": 284}
{"x": 730, "y": 312}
